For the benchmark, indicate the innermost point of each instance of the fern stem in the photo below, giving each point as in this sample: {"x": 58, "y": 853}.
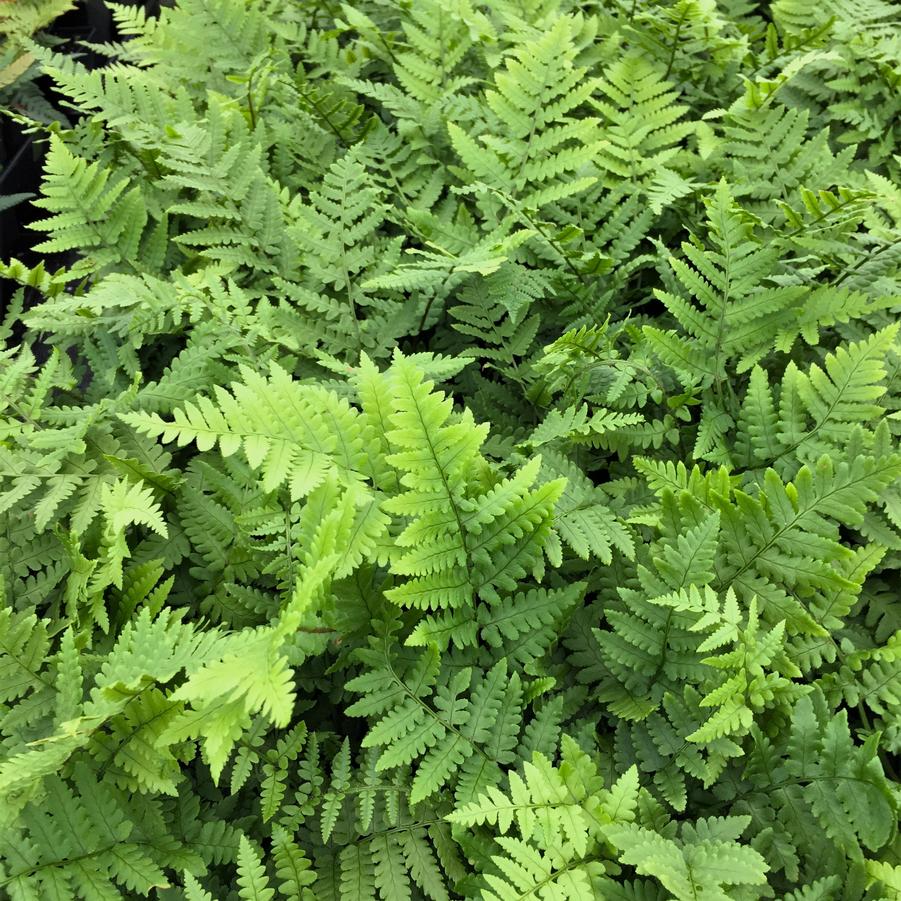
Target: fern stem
{"x": 807, "y": 226}
{"x": 425, "y": 312}
{"x": 102, "y": 768}
{"x": 431, "y": 300}
{"x": 801, "y": 513}
{"x": 350, "y": 297}
{"x": 888, "y": 766}
{"x": 450, "y": 497}
{"x": 250, "y": 108}
{"x": 554, "y": 245}
{"x": 672, "y": 55}
{"x": 824, "y": 419}
{"x": 430, "y": 710}
{"x": 865, "y": 258}
{"x": 314, "y": 102}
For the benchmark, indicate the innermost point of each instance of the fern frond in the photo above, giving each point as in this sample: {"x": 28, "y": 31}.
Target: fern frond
{"x": 535, "y": 141}
{"x": 92, "y": 209}
{"x": 726, "y": 308}
{"x": 292, "y": 432}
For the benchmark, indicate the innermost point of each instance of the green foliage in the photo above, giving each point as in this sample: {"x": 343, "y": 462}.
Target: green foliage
{"x": 19, "y": 23}
{"x": 450, "y": 451}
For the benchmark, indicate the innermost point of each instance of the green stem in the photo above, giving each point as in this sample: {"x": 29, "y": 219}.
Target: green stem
{"x": 672, "y": 55}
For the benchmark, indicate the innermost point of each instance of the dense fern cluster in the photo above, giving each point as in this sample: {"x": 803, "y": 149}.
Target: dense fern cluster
{"x": 449, "y": 450}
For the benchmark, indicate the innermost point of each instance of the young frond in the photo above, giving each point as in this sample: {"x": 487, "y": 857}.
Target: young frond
{"x": 534, "y": 147}
{"x": 293, "y": 433}
{"x": 92, "y": 209}
{"x": 641, "y": 123}
{"x": 726, "y": 308}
